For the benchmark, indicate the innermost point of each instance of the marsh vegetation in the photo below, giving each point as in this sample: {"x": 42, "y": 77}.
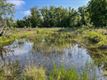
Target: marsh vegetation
{"x": 60, "y": 54}
{"x": 54, "y": 43}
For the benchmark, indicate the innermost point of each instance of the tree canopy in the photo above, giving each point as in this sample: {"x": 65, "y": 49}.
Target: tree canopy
{"x": 95, "y": 13}
{"x": 98, "y": 12}
{"x": 6, "y": 12}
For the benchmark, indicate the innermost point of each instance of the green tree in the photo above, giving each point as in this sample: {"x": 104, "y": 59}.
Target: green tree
{"x": 73, "y": 18}
{"x": 62, "y": 15}
{"x": 54, "y": 16}
{"x": 6, "y": 12}
{"x": 47, "y": 16}
{"x": 85, "y": 16}
{"x": 20, "y": 24}
{"x": 10, "y": 22}
{"x": 27, "y": 22}
{"x": 35, "y": 17}
{"x": 98, "y": 12}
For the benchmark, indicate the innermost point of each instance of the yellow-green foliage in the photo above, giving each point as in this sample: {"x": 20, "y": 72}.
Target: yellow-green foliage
{"x": 14, "y": 72}
{"x": 47, "y": 39}
{"x": 62, "y": 74}
{"x": 7, "y": 39}
{"x": 94, "y": 40}
{"x": 70, "y": 74}
{"x": 100, "y": 37}
{"x": 10, "y": 72}
{"x": 34, "y": 73}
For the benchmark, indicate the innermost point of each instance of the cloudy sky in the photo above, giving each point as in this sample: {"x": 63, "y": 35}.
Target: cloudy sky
{"x": 23, "y": 6}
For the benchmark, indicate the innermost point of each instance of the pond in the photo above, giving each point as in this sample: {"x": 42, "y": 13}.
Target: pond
{"x": 76, "y": 57}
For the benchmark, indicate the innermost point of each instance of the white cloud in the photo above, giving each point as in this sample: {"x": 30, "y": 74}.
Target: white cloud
{"x": 17, "y": 3}
{"x": 27, "y": 12}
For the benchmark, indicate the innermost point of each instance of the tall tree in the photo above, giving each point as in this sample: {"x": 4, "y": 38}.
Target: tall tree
{"x": 98, "y": 12}
{"x": 6, "y": 11}
{"x": 35, "y": 17}
{"x": 47, "y": 17}
{"x": 85, "y": 16}
{"x": 73, "y": 18}
{"x": 54, "y": 16}
{"x": 21, "y": 24}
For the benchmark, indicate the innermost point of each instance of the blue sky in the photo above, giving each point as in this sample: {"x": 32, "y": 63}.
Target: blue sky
{"x": 23, "y": 6}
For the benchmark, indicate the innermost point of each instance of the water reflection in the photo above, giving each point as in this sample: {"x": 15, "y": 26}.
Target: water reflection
{"x": 75, "y": 57}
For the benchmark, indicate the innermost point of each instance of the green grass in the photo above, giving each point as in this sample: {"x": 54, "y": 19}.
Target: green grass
{"x": 10, "y": 71}
{"x": 62, "y": 74}
{"x": 34, "y": 73}
{"x": 13, "y": 72}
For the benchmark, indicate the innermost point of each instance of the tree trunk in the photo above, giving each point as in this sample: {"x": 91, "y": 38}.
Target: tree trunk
{"x": 2, "y": 31}
{"x": 2, "y": 27}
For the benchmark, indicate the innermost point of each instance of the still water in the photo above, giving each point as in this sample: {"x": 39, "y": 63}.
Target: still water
{"x": 75, "y": 57}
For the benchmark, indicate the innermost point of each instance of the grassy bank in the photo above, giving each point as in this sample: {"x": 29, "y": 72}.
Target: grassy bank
{"x": 13, "y": 72}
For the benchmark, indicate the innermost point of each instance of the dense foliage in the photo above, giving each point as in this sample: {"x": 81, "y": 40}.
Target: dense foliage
{"x": 95, "y": 13}
{"x": 55, "y": 17}
{"x": 6, "y": 13}
{"x": 98, "y": 12}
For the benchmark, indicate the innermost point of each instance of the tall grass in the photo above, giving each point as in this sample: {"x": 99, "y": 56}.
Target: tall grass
{"x": 34, "y": 73}
{"x": 62, "y": 74}
{"x": 14, "y": 72}
{"x": 72, "y": 74}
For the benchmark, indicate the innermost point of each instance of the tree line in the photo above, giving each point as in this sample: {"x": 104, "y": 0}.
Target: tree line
{"x": 94, "y": 14}
{"x": 55, "y": 17}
